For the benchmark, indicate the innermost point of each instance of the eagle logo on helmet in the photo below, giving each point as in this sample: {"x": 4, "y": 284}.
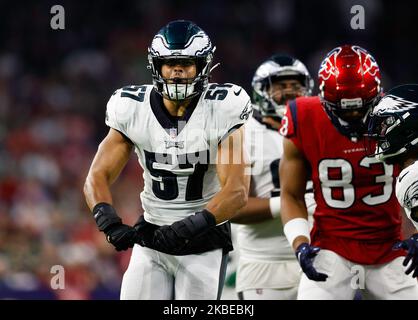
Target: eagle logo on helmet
{"x": 393, "y": 124}
{"x": 198, "y": 45}
{"x": 392, "y": 104}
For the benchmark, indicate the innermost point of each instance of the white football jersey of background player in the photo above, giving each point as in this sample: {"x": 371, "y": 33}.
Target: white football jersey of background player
{"x": 178, "y": 155}
{"x": 407, "y": 189}
{"x": 265, "y": 241}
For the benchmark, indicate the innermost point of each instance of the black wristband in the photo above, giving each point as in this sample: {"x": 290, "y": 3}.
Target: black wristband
{"x": 105, "y": 216}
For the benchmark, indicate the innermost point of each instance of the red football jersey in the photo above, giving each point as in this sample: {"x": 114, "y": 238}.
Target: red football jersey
{"x": 357, "y": 214}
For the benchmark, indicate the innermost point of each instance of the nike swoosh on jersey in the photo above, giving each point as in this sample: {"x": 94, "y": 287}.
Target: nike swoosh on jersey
{"x": 238, "y": 92}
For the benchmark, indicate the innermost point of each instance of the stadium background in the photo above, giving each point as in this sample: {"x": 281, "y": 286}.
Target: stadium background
{"x": 54, "y": 86}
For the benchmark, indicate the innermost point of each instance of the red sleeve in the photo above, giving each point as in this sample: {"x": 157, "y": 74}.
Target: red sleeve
{"x": 289, "y": 126}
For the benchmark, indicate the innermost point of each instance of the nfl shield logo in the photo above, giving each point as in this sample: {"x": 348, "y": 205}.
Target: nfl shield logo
{"x": 173, "y": 133}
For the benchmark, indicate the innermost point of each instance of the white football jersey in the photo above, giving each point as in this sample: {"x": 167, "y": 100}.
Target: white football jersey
{"x": 178, "y": 155}
{"x": 407, "y": 189}
{"x": 265, "y": 241}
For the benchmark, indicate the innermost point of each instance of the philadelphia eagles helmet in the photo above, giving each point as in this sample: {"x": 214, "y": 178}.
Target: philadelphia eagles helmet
{"x": 184, "y": 42}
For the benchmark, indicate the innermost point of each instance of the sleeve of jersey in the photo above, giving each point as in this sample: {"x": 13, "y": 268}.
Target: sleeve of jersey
{"x": 289, "y": 126}
{"x": 116, "y": 113}
{"x": 233, "y": 112}
{"x": 250, "y": 142}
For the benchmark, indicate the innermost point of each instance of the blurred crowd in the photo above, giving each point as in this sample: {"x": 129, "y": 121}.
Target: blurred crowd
{"x": 54, "y": 86}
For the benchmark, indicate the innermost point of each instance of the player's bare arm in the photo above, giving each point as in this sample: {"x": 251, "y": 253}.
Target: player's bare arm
{"x": 293, "y": 177}
{"x": 234, "y": 182}
{"x": 111, "y": 157}
{"x": 257, "y": 210}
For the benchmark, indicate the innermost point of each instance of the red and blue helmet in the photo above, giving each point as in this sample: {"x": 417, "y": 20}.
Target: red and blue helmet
{"x": 349, "y": 80}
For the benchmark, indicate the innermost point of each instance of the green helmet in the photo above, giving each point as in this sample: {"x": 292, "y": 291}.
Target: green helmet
{"x": 393, "y": 124}
{"x": 181, "y": 40}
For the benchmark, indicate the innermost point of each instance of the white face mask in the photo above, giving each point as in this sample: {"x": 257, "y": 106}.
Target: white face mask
{"x": 178, "y": 91}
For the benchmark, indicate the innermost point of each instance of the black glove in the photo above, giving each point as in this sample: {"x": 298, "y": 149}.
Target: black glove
{"x": 305, "y": 254}
{"x": 120, "y": 235}
{"x": 411, "y": 245}
{"x": 172, "y": 239}
{"x": 145, "y": 232}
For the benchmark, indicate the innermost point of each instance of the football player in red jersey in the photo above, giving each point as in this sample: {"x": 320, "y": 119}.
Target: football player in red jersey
{"x": 357, "y": 219}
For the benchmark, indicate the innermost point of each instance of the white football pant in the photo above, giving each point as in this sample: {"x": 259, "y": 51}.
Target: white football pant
{"x": 152, "y": 275}
{"x": 384, "y": 281}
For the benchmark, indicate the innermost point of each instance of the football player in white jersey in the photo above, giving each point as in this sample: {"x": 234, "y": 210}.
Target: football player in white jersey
{"x": 188, "y": 137}
{"x": 267, "y": 267}
{"x": 394, "y": 125}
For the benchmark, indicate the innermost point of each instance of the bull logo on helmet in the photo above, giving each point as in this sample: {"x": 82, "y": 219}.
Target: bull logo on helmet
{"x": 327, "y": 68}
{"x": 369, "y": 63}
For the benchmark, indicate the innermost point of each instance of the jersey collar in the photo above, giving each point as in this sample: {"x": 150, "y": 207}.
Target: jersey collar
{"x": 166, "y": 120}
